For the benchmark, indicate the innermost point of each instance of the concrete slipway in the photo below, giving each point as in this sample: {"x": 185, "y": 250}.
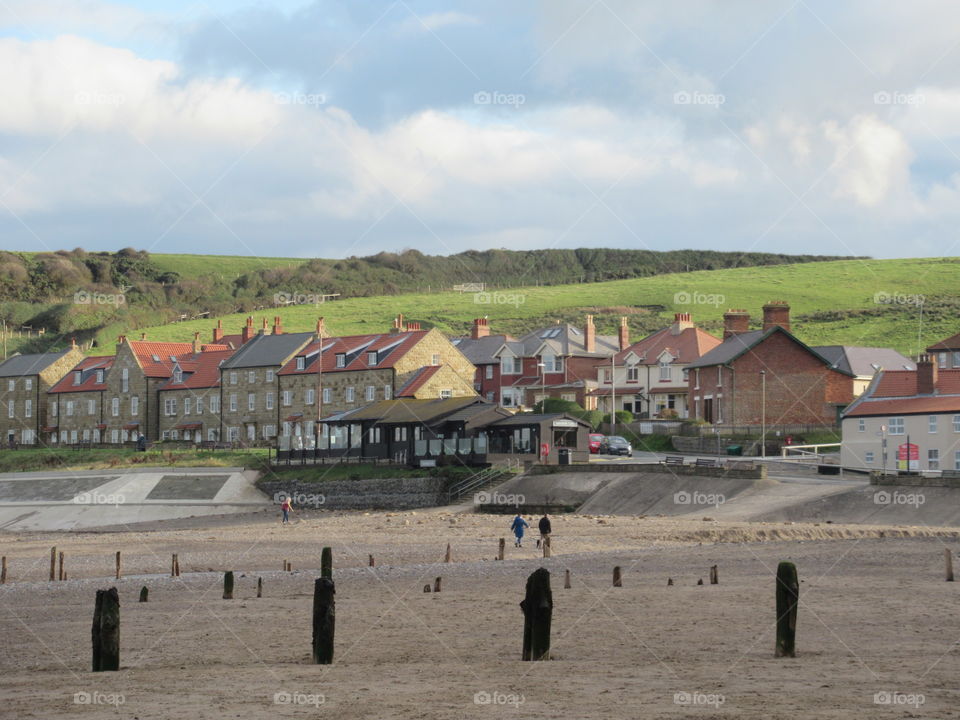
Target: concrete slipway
{"x": 97, "y": 498}
{"x": 799, "y": 499}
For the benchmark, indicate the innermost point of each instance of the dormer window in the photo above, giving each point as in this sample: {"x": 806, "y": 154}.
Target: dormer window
{"x": 301, "y": 363}
{"x": 372, "y": 357}
{"x": 341, "y": 360}
{"x": 77, "y": 377}
{"x": 177, "y": 375}
{"x": 99, "y": 377}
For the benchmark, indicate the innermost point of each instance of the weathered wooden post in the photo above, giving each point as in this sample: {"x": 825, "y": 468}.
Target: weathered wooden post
{"x": 106, "y": 631}
{"x": 669, "y": 582}
{"x": 714, "y": 580}
{"x": 259, "y": 587}
{"x": 948, "y": 558}
{"x": 617, "y": 577}
{"x": 700, "y": 581}
{"x": 566, "y": 580}
{"x": 326, "y": 563}
{"x": 426, "y": 588}
{"x": 53, "y": 563}
{"x": 503, "y": 545}
{"x": 449, "y": 555}
{"x": 372, "y": 562}
{"x": 144, "y": 592}
{"x": 62, "y": 575}
{"x": 324, "y": 620}
{"x": 228, "y": 585}
{"x": 118, "y": 564}
{"x": 537, "y": 609}
{"x": 436, "y": 585}
{"x": 173, "y": 565}
{"x": 788, "y": 596}
{"x": 546, "y": 546}
{"x": 3, "y": 570}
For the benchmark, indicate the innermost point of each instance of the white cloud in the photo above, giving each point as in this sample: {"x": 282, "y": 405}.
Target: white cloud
{"x": 872, "y": 159}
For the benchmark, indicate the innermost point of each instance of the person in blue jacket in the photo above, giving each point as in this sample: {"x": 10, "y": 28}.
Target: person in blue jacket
{"x": 518, "y": 525}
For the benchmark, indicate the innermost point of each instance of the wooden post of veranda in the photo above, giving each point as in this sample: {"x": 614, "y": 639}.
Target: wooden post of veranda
{"x": 372, "y": 562}
{"x": 617, "y": 577}
{"x": 537, "y": 607}
{"x": 144, "y": 594}
{"x": 118, "y": 564}
{"x": 105, "y": 633}
{"x": 53, "y": 563}
{"x": 326, "y": 563}
{"x": 503, "y": 545}
{"x": 324, "y": 620}
{"x": 228, "y": 585}
{"x": 259, "y": 587}
{"x": 788, "y": 596}
{"x": 546, "y": 546}
{"x": 436, "y": 585}
{"x": 948, "y": 558}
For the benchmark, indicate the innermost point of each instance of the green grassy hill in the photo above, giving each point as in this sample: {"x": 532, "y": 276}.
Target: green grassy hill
{"x": 224, "y": 266}
{"x": 854, "y": 302}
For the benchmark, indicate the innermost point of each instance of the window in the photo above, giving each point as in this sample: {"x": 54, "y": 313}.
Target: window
{"x": 233, "y": 434}
{"x": 233, "y": 402}
{"x": 86, "y": 436}
{"x": 170, "y": 406}
{"x": 932, "y": 424}
{"x": 861, "y": 425}
{"x": 177, "y": 376}
{"x": 211, "y": 434}
{"x": 341, "y": 360}
{"x": 53, "y": 409}
{"x": 269, "y": 377}
{"x": 686, "y": 374}
{"x": 125, "y": 380}
{"x": 310, "y": 396}
{"x": 251, "y": 401}
{"x": 269, "y": 431}
{"x": 69, "y": 408}
{"x": 287, "y": 398}
{"x": 174, "y": 435}
{"x": 956, "y": 423}
{"x": 665, "y": 372}
{"x": 552, "y": 363}
{"x": 301, "y": 363}
{"x": 326, "y": 395}
{"x": 99, "y": 377}
{"x": 956, "y": 359}
{"x": 114, "y": 436}
{"x": 435, "y": 359}
{"x": 28, "y": 383}
{"x": 134, "y": 404}
{"x": 633, "y": 374}
{"x": 510, "y": 397}
{"x": 77, "y": 377}
{"x": 895, "y": 426}
{"x": 115, "y": 407}
{"x": 372, "y": 357}
{"x": 942, "y": 360}
{"x": 28, "y": 408}
{"x": 400, "y": 433}
{"x": 490, "y": 396}
{"x": 269, "y": 401}
{"x": 73, "y": 436}
{"x": 91, "y": 407}
{"x": 350, "y": 395}
{"x": 933, "y": 459}
{"x": 511, "y": 365}
{"x": 11, "y": 406}
{"x": 199, "y": 406}
{"x": 387, "y": 392}
{"x": 607, "y": 375}
{"x": 488, "y": 372}
{"x": 371, "y": 393}
{"x": 251, "y": 376}
{"x": 11, "y": 385}
{"x": 187, "y": 405}
{"x": 446, "y": 394}
{"x": 956, "y": 460}
{"x": 215, "y": 404}
{"x": 374, "y": 435}
{"x": 696, "y": 379}
{"x": 233, "y": 378}
{"x": 868, "y": 457}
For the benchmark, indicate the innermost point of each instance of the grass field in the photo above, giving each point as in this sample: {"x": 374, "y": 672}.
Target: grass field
{"x": 855, "y": 302}
{"x": 227, "y": 266}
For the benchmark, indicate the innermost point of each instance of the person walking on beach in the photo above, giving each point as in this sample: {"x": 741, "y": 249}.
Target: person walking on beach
{"x": 286, "y": 507}
{"x": 518, "y": 525}
{"x": 544, "y": 526}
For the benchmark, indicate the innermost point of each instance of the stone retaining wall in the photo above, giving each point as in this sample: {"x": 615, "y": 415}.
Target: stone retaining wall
{"x": 914, "y": 480}
{"x": 380, "y": 494}
{"x": 732, "y": 468}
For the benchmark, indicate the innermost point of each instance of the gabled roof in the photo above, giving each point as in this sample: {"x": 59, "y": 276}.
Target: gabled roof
{"x": 951, "y": 343}
{"x": 200, "y": 370}
{"x": 390, "y": 347}
{"x": 418, "y": 380}
{"x": 741, "y": 343}
{"x": 561, "y": 339}
{"x": 894, "y": 392}
{"x": 686, "y": 346}
{"x": 480, "y": 351}
{"x": 408, "y": 410}
{"x": 267, "y": 350}
{"x": 154, "y": 358}
{"x": 860, "y": 361}
{"x": 22, "y": 365}
{"x": 87, "y": 368}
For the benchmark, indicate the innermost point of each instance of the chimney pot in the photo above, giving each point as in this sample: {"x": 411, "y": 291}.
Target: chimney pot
{"x": 481, "y": 328}
{"x": 589, "y": 335}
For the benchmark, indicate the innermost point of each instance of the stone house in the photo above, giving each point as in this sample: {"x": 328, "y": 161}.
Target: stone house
{"x": 189, "y": 402}
{"x": 24, "y": 382}
{"x": 78, "y": 401}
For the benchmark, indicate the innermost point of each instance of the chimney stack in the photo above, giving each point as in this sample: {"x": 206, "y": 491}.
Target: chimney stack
{"x": 681, "y": 322}
{"x": 143, "y": 336}
{"x": 624, "y": 334}
{"x": 412, "y": 326}
{"x": 121, "y": 341}
{"x": 247, "y": 330}
{"x": 73, "y": 343}
{"x": 196, "y": 342}
{"x": 277, "y": 325}
{"x": 927, "y": 374}
{"x": 776, "y": 313}
{"x": 398, "y": 326}
{"x": 735, "y": 322}
{"x": 218, "y": 332}
{"x": 589, "y": 336}
{"x": 481, "y": 328}
{"x": 321, "y": 331}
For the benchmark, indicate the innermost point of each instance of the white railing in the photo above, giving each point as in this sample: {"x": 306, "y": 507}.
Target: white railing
{"x": 805, "y": 453}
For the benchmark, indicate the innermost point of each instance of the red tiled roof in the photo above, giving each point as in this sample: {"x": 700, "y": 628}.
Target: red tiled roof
{"x": 903, "y": 383}
{"x": 88, "y": 367}
{"x": 926, "y": 404}
{"x": 951, "y": 343}
{"x": 200, "y": 370}
{"x": 144, "y": 350}
{"x": 356, "y": 347}
{"x": 896, "y": 394}
{"x": 687, "y": 346}
{"x": 417, "y": 381}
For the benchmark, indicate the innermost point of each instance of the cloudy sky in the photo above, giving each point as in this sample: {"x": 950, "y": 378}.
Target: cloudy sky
{"x": 337, "y": 127}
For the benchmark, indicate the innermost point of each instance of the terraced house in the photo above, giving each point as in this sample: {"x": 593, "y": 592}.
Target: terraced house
{"x": 359, "y": 370}
{"x": 189, "y": 402}
{"x": 24, "y": 382}
{"x": 78, "y": 401}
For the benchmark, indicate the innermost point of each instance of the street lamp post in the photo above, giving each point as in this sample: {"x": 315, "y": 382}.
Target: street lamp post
{"x": 543, "y": 386}
{"x": 763, "y": 413}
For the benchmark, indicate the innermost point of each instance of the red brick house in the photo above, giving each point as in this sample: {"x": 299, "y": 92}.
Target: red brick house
{"x": 766, "y": 376}
{"x": 946, "y": 353}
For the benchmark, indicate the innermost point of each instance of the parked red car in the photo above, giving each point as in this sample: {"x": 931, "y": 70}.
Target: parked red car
{"x": 595, "y": 440}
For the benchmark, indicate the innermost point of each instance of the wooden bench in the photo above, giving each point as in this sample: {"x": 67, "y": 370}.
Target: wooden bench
{"x": 673, "y": 460}
{"x": 706, "y": 462}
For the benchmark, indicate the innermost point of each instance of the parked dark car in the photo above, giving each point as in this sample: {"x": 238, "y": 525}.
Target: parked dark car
{"x": 616, "y": 445}
{"x": 596, "y": 441}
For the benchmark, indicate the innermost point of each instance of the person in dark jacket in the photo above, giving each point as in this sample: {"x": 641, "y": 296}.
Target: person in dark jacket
{"x": 544, "y": 526}
{"x": 518, "y": 525}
